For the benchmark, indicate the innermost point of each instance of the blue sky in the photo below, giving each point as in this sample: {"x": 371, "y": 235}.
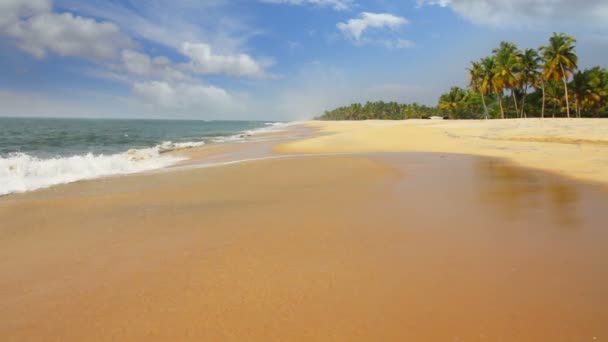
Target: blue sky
{"x": 261, "y": 59}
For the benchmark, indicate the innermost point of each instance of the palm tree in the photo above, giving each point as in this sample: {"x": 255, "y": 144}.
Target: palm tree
{"x": 590, "y": 89}
{"x": 505, "y": 71}
{"x": 454, "y": 101}
{"x": 553, "y": 95}
{"x": 560, "y": 61}
{"x": 481, "y": 76}
{"x": 529, "y": 74}
{"x": 598, "y": 82}
{"x": 581, "y": 90}
{"x": 476, "y": 77}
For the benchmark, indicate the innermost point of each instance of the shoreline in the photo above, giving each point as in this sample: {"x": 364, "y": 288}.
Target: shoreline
{"x": 25, "y": 173}
{"x": 349, "y": 246}
{"x": 531, "y": 143}
{"x": 324, "y": 138}
{"x": 353, "y": 246}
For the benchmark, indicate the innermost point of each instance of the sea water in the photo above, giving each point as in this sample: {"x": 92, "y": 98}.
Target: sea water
{"x": 39, "y": 152}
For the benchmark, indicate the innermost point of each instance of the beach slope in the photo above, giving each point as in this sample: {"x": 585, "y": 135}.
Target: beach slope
{"x": 572, "y": 147}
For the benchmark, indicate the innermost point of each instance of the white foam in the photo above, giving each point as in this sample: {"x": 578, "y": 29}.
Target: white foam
{"x": 21, "y": 172}
{"x": 271, "y": 127}
{"x": 230, "y": 139}
{"x": 170, "y": 146}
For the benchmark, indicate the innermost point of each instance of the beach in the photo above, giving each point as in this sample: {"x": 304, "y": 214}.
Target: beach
{"x": 573, "y": 148}
{"x": 414, "y": 230}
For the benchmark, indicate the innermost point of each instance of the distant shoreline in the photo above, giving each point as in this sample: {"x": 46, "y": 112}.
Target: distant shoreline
{"x": 572, "y": 147}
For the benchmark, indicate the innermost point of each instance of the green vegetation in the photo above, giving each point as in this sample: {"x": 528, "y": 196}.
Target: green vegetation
{"x": 511, "y": 83}
{"x": 380, "y": 111}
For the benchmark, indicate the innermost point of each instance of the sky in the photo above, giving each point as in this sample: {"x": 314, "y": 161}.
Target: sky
{"x": 261, "y": 59}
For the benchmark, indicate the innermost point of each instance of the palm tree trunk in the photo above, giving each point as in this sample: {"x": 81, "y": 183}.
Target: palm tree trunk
{"x": 542, "y": 113}
{"x": 485, "y": 107}
{"x": 502, "y": 110}
{"x": 565, "y": 89}
{"x": 523, "y": 101}
{"x": 515, "y": 102}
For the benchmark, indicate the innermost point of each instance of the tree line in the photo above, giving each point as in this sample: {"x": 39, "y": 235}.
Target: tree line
{"x": 510, "y": 83}
{"x": 381, "y": 110}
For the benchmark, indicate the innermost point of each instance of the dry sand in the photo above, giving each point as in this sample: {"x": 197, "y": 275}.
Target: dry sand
{"x": 572, "y": 147}
{"x": 368, "y": 247}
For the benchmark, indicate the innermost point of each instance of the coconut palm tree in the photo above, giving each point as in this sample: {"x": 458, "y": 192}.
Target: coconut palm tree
{"x": 598, "y": 81}
{"x": 476, "y": 78}
{"x": 560, "y": 61}
{"x": 581, "y": 90}
{"x": 540, "y": 80}
{"x": 554, "y": 96}
{"x": 481, "y": 75}
{"x": 454, "y": 101}
{"x": 505, "y": 71}
{"x": 529, "y": 61}
{"x": 590, "y": 89}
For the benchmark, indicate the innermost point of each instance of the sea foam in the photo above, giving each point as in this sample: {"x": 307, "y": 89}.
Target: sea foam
{"x": 20, "y": 172}
{"x": 270, "y": 127}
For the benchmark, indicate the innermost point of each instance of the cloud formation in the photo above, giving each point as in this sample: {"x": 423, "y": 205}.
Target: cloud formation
{"x": 185, "y": 97}
{"x": 203, "y": 60}
{"x": 338, "y": 5}
{"x": 157, "y": 83}
{"x": 12, "y": 10}
{"x": 355, "y": 27}
{"x": 511, "y": 13}
{"x": 35, "y": 29}
{"x": 160, "y": 67}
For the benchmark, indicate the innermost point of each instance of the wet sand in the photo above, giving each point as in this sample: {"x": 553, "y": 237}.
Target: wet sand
{"x": 385, "y": 246}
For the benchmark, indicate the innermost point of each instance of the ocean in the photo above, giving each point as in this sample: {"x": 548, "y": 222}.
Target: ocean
{"x": 40, "y": 152}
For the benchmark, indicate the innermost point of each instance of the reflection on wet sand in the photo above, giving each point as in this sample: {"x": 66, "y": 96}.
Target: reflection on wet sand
{"x": 518, "y": 192}
{"x": 395, "y": 247}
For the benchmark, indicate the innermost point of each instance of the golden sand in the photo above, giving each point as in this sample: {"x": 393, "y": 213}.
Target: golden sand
{"x": 373, "y": 247}
{"x": 572, "y": 147}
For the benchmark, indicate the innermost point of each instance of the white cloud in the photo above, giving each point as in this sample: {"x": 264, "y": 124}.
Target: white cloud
{"x": 140, "y": 64}
{"x": 203, "y": 60}
{"x": 12, "y": 10}
{"x": 36, "y": 30}
{"x": 184, "y": 97}
{"x": 338, "y": 5}
{"x": 170, "y": 23}
{"x": 67, "y": 35}
{"x": 354, "y": 28}
{"x": 528, "y": 12}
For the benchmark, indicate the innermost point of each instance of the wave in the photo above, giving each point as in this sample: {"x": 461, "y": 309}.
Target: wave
{"x": 21, "y": 172}
{"x": 167, "y": 146}
{"x": 270, "y": 127}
